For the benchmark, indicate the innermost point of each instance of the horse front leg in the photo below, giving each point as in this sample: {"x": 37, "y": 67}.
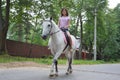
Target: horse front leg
{"x": 54, "y": 68}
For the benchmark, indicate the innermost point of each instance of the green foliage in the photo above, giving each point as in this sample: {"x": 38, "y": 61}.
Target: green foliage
{"x": 25, "y": 23}
{"x": 111, "y": 45}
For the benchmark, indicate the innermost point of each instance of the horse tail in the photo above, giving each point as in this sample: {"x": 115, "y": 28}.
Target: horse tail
{"x": 77, "y": 45}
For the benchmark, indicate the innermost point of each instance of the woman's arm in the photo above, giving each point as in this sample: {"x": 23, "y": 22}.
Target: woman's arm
{"x": 68, "y": 24}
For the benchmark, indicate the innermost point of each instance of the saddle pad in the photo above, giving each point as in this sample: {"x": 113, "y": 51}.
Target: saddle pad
{"x": 65, "y": 40}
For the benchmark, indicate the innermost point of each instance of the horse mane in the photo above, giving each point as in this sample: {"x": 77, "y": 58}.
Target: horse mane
{"x": 53, "y": 22}
{"x": 55, "y": 25}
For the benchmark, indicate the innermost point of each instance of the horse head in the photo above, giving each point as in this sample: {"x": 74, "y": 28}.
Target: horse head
{"x": 46, "y": 27}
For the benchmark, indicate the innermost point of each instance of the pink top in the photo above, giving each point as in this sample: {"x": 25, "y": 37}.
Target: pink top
{"x": 64, "y": 21}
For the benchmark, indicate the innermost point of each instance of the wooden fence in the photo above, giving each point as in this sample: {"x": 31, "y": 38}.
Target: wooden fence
{"x": 16, "y": 48}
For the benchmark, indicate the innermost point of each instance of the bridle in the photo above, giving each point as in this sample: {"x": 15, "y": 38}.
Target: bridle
{"x": 51, "y": 33}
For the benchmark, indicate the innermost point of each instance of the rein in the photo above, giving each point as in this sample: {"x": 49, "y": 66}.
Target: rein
{"x": 54, "y": 32}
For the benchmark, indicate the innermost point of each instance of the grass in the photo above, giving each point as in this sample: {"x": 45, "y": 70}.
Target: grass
{"x": 7, "y": 58}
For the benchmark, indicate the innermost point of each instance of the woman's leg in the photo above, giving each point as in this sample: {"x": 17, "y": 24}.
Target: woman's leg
{"x": 68, "y": 33}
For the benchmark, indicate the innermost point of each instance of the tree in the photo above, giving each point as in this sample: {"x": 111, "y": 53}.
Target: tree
{"x": 4, "y": 23}
{"x": 26, "y": 16}
{"x": 90, "y": 7}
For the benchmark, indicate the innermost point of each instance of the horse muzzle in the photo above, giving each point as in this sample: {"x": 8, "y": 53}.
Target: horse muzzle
{"x": 44, "y": 37}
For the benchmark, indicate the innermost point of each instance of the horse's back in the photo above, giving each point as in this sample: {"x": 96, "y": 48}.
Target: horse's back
{"x": 75, "y": 42}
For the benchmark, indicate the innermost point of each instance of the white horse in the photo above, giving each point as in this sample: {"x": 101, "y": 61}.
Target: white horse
{"x": 57, "y": 45}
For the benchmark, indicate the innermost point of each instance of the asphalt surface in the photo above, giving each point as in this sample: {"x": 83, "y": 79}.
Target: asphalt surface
{"x": 80, "y": 72}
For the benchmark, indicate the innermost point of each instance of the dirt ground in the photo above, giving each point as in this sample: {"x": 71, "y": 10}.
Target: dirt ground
{"x": 21, "y": 64}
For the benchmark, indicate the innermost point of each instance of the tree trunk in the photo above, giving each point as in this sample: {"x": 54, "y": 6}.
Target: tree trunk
{"x": 4, "y": 26}
{"x": 1, "y": 27}
{"x": 81, "y": 35}
{"x": 81, "y": 30}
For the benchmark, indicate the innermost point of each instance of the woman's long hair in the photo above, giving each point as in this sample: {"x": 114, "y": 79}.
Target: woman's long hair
{"x": 65, "y": 10}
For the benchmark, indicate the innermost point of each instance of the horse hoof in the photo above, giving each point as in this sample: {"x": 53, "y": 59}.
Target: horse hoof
{"x": 67, "y": 73}
{"x": 52, "y": 76}
{"x": 70, "y": 72}
{"x": 56, "y": 75}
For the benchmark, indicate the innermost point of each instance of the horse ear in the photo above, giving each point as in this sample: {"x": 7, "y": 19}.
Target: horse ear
{"x": 51, "y": 18}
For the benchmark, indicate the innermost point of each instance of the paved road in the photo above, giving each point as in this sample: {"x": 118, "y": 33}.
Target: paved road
{"x": 80, "y": 72}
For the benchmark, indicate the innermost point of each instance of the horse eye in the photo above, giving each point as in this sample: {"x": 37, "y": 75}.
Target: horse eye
{"x": 48, "y": 25}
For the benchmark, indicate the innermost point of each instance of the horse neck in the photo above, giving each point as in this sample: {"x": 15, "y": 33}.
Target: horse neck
{"x": 55, "y": 29}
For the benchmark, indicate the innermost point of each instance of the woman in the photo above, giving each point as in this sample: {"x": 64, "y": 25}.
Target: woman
{"x": 64, "y": 23}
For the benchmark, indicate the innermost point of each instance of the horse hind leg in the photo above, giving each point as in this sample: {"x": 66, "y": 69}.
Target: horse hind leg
{"x": 69, "y": 69}
{"x": 70, "y": 66}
